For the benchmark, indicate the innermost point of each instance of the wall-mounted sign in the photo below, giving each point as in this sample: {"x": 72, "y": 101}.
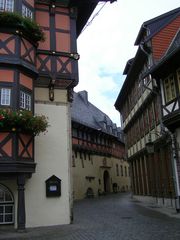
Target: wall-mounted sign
{"x": 53, "y": 187}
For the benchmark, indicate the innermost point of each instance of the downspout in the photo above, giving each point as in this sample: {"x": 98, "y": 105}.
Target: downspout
{"x": 173, "y": 156}
{"x": 175, "y": 172}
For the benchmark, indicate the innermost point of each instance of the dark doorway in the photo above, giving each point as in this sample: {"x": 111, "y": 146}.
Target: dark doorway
{"x": 106, "y": 181}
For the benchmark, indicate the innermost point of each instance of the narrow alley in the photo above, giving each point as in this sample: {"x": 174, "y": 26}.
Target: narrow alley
{"x": 111, "y": 217}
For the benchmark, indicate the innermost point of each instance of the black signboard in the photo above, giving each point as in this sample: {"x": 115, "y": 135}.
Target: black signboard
{"x": 53, "y": 187}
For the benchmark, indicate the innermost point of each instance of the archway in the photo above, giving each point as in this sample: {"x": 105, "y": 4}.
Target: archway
{"x": 106, "y": 178}
{"x": 6, "y": 206}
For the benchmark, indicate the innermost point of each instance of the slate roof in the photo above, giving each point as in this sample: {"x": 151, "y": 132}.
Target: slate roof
{"x": 133, "y": 66}
{"x": 154, "y": 25}
{"x": 87, "y": 114}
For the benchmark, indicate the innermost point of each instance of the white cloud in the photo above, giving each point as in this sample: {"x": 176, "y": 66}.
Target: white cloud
{"x": 108, "y": 43}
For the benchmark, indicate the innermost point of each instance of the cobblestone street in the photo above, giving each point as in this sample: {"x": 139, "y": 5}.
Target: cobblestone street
{"x": 112, "y": 217}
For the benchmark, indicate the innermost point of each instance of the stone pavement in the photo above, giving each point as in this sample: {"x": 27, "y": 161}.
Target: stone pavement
{"x": 111, "y": 217}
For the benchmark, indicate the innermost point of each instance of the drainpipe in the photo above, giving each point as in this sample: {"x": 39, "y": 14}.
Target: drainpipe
{"x": 175, "y": 173}
{"x": 174, "y": 157}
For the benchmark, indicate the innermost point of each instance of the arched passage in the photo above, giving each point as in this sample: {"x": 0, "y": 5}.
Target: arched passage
{"x": 6, "y": 206}
{"x": 106, "y": 178}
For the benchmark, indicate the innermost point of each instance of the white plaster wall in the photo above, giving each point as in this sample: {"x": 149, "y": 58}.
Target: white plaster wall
{"x": 52, "y": 155}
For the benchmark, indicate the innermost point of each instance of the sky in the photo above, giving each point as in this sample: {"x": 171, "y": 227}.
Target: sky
{"x": 107, "y": 44}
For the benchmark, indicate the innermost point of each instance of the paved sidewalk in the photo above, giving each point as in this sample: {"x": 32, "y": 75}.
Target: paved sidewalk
{"x": 169, "y": 211}
{"x": 111, "y": 217}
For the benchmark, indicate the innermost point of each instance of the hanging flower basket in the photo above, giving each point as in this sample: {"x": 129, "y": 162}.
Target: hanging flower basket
{"x": 22, "y": 25}
{"x": 22, "y": 121}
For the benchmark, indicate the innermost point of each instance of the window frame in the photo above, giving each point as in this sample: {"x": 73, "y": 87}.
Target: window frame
{"x": 117, "y": 170}
{"x": 26, "y": 11}
{"x": 25, "y": 101}
{"x": 6, "y": 96}
{"x": 122, "y": 172}
{"x": 6, "y": 203}
{"x": 169, "y": 89}
{"x": 178, "y": 78}
{"x": 5, "y": 6}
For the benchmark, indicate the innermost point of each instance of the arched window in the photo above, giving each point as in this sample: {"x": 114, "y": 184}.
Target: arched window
{"x": 6, "y": 206}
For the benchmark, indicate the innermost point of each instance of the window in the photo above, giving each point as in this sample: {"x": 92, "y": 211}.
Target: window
{"x": 7, "y": 5}
{"x": 26, "y": 12}
{"x": 121, "y": 170}
{"x": 25, "y": 101}
{"x": 178, "y": 78}
{"x": 5, "y": 96}
{"x": 125, "y": 169}
{"x": 169, "y": 88}
{"x": 74, "y": 132}
{"x": 73, "y": 161}
{"x": 6, "y": 206}
{"x": 117, "y": 170}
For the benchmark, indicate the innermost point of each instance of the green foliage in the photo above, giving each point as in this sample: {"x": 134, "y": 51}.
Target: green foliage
{"x": 28, "y": 27}
{"x": 22, "y": 121}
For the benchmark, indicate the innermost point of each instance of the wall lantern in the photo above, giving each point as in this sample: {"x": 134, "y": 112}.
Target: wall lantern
{"x": 53, "y": 187}
{"x": 76, "y": 56}
{"x": 51, "y": 90}
{"x": 51, "y": 93}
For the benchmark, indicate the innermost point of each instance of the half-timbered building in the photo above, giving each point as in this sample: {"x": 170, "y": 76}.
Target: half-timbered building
{"x": 98, "y": 162}
{"x": 167, "y": 76}
{"x": 153, "y": 171}
{"x": 38, "y": 70}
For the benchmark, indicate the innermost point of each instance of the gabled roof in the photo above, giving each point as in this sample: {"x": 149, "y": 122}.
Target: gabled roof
{"x": 169, "y": 61}
{"x": 85, "y": 113}
{"x": 154, "y": 25}
{"x": 133, "y": 72}
{"x": 128, "y": 66}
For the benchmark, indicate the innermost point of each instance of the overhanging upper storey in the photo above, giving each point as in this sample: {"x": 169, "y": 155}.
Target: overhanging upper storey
{"x": 84, "y": 9}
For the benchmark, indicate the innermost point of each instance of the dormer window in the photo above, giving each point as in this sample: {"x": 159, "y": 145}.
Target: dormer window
{"x": 7, "y": 5}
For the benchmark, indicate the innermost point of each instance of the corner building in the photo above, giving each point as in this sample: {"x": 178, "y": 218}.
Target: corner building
{"x": 37, "y": 76}
{"x": 144, "y": 109}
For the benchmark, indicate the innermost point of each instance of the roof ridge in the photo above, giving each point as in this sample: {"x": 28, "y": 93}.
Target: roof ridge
{"x": 171, "y": 15}
{"x": 171, "y": 12}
